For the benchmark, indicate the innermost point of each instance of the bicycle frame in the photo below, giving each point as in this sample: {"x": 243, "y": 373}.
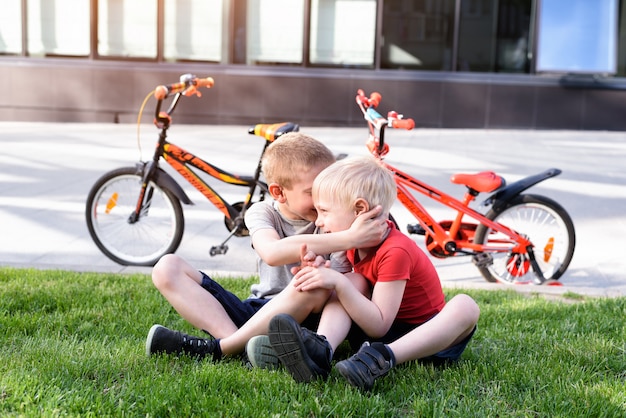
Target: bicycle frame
{"x": 440, "y": 235}
{"x": 182, "y": 161}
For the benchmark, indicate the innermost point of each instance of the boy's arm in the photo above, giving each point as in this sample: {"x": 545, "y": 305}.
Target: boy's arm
{"x": 366, "y": 231}
{"x": 374, "y": 316}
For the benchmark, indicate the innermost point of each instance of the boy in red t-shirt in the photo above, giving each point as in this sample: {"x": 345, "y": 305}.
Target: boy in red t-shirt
{"x": 399, "y": 305}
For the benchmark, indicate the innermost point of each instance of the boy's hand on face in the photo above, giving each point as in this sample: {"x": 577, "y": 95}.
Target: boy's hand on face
{"x": 369, "y": 228}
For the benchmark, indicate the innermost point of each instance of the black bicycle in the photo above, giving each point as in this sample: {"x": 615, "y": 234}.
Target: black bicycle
{"x": 134, "y": 214}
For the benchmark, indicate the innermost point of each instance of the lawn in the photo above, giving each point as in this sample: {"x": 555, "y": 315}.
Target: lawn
{"x": 73, "y": 345}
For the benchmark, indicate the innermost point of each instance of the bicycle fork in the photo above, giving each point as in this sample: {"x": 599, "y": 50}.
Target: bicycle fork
{"x": 151, "y": 172}
{"x": 145, "y": 199}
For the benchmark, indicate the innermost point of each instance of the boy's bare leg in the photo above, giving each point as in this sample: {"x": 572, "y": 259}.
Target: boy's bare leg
{"x": 179, "y": 283}
{"x": 449, "y": 327}
{"x": 335, "y": 322}
{"x": 290, "y": 301}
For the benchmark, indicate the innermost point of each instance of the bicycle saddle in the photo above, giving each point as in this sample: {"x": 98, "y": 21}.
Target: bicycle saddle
{"x": 486, "y": 181}
{"x": 273, "y": 131}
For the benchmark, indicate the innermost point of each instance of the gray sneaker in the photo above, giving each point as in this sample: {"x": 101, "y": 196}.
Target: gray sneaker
{"x": 164, "y": 340}
{"x": 261, "y": 354}
{"x": 305, "y": 354}
{"x": 363, "y": 368}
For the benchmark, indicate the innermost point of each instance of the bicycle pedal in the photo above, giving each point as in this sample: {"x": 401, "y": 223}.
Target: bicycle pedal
{"x": 482, "y": 259}
{"x": 415, "y": 229}
{"x": 218, "y": 250}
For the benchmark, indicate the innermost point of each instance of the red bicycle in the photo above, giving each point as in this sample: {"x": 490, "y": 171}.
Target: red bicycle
{"x": 522, "y": 239}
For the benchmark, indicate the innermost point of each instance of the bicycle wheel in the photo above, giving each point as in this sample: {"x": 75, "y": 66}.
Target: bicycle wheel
{"x": 545, "y": 223}
{"x": 111, "y": 202}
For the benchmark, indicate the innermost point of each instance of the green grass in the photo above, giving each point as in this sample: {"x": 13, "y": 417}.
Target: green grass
{"x": 72, "y": 344}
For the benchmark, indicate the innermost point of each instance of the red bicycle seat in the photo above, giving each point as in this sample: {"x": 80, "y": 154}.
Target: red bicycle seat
{"x": 486, "y": 181}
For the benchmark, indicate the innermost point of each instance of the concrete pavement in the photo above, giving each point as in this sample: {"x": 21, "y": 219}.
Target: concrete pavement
{"x": 46, "y": 171}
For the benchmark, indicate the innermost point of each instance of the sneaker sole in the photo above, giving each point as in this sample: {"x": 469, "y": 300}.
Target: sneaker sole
{"x": 149, "y": 339}
{"x": 261, "y": 354}
{"x": 284, "y": 334}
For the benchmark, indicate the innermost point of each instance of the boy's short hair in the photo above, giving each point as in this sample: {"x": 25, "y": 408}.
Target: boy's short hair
{"x": 357, "y": 177}
{"x": 292, "y": 153}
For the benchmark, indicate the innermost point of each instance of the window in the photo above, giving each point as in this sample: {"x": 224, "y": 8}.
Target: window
{"x": 577, "y": 36}
{"x": 11, "y": 27}
{"x": 275, "y": 31}
{"x": 418, "y": 34}
{"x": 193, "y": 30}
{"x": 494, "y": 36}
{"x": 59, "y": 27}
{"x": 343, "y": 32}
{"x": 127, "y": 28}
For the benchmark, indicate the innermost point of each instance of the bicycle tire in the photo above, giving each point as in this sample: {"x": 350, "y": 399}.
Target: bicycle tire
{"x": 111, "y": 201}
{"x": 549, "y": 228}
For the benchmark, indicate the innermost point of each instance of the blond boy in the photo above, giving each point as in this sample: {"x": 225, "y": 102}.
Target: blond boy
{"x": 402, "y": 317}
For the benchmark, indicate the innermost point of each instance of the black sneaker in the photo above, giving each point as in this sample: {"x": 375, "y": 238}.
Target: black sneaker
{"x": 304, "y": 353}
{"x": 367, "y": 365}
{"x": 164, "y": 340}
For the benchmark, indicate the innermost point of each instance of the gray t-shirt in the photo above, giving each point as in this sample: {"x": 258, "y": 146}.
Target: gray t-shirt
{"x": 265, "y": 215}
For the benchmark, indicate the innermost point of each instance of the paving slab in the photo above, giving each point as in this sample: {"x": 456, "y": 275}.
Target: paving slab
{"x": 47, "y": 169}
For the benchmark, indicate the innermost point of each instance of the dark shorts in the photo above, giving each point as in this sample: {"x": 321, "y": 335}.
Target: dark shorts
{"x": 398, "y": 330}
{"x": 240, "y": 311}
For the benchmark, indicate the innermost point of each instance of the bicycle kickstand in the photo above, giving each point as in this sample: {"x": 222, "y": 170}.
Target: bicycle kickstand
{"x": 539, "y": 278}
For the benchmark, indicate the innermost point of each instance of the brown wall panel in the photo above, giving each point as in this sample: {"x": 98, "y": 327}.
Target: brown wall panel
{"x": 59, "y": 90}
{"x": 559, "y": 108}
{"x": 511, "y": 106}
{"x": 465, "y": 105}
{"x": 605, "y": 110}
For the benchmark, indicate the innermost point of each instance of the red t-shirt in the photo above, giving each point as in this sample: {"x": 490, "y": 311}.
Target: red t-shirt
{"x": 399, "y": 258}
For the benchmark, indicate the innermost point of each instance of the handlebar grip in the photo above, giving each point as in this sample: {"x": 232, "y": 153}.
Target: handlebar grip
{"x": 374, "y": 99}
{"x": 161, "y": 92}
{"x": 205, "y": 82}
{"x": 407, "y": 124}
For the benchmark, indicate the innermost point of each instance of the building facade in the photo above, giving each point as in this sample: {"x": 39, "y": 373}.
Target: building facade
{"x": 535, "y": 64}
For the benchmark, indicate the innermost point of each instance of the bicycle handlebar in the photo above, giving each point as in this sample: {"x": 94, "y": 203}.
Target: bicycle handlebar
{"x": 188, "y": 85}
{"x": 397, "y": 122}
{"x": 377, "y": 123}
{"x": 393, "y": 120}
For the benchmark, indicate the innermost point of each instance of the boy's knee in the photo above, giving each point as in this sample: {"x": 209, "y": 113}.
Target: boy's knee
{"x": 468, "y": 307}
{"x": 311, "y": 300}
{"x": 164, "y": 270}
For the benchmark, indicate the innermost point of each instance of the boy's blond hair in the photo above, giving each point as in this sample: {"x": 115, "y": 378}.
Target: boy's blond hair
{"x": 291, "y": 154}
{"x": 356, "y": 177}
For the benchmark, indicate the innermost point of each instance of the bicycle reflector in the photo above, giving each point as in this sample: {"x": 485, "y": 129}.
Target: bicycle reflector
{"x": 111, "y": 203}
{"x": 547, "y": 250}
